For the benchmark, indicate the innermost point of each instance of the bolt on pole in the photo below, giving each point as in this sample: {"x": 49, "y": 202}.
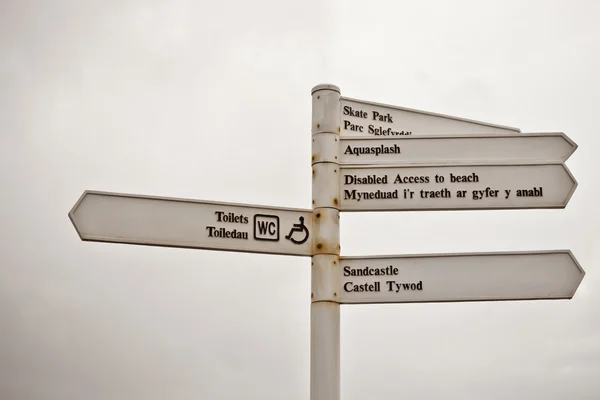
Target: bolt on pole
{"x": 325, "y": 307}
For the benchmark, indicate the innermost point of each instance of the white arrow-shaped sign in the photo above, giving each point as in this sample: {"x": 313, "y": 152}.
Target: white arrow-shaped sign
{"x": 455, "y": 187}
{"x": 169, "y": 222}
{"x": 366, "y": 118}
{"x": 459, "y": 277}
{"x": 502, "y": 148}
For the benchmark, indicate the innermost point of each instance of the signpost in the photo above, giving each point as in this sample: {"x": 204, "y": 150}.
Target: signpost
{"x": 160, "y": 221}
{"x": 459, "y": 277}
{"x": 455, "y": 187}
{"x": 521, "y": 148}
{"x": 365, "y": 118}
{"x": 365, "y": 158}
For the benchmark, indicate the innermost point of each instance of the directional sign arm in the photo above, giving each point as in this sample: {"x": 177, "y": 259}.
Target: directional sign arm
{"x": 455, "y": 187}
{"x": 488, "y": 149}
{"x": 171, "y": 222}
{"x": 366, "y": 118}
{"x": 541, "y": 275}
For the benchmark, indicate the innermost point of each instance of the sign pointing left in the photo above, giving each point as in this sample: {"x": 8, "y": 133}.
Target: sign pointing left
{"x": 171, "y": 222}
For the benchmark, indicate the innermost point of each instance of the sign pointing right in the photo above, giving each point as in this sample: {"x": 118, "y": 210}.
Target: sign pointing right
{"x": 455, "y": 187}
{"x": 500, "y": 148}
{"x": 542, "y": 275}
{"x": 369, "y": 119}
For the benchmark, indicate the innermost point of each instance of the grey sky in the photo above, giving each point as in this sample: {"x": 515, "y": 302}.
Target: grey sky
{"x": 212, "y": 101}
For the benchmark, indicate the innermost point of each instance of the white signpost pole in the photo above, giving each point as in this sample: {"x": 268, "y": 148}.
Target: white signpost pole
{"x": 399, "y": 182}
{"x": 325, "y": 307}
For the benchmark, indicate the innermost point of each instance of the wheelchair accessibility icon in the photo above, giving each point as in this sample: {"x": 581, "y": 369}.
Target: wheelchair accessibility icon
{"x": 302, "y": 229}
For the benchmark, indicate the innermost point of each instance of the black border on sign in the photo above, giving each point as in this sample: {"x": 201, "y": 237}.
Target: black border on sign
{"x": 268, "y": 216}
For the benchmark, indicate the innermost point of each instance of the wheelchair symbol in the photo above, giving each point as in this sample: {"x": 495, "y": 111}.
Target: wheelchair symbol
{"x": 298, "y": 228}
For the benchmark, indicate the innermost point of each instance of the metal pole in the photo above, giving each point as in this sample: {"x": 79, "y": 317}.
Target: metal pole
{"x": 325, "y": 308}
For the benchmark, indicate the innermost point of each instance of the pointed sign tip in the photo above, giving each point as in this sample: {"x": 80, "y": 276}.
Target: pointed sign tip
{"x": 579, "y": 269}
{"x": 576, "y": 262}
{"x": 570, "y": 141}
{"x": 73, "y": 210}
{"x": 573, "y": 188}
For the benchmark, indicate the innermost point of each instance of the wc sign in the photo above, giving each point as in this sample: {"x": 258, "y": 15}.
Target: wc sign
{"x": 266, "y": 227}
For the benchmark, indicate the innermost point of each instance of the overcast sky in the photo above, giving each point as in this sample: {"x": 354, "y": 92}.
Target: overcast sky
{"x": 211, "y": 100}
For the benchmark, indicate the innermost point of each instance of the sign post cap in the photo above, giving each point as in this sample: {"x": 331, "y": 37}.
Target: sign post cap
{"x": 325, "y": 86}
